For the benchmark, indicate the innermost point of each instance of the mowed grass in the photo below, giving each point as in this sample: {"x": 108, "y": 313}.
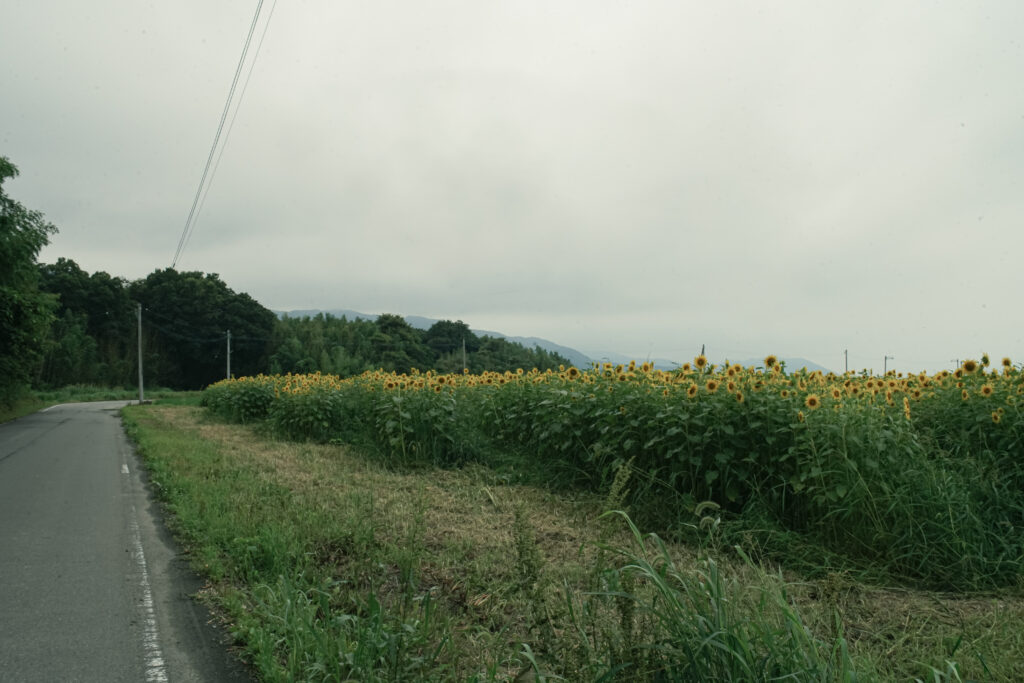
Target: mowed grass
{"x": 328, "y": 566}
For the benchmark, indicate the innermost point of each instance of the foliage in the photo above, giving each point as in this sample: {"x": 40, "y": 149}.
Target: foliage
{"x": 93, "y": 338}
{"x": 860, "y": 467}
{"x": 186, "y": 318}
{"x": 337, "y": 346}
{"x": 25, "y": 312}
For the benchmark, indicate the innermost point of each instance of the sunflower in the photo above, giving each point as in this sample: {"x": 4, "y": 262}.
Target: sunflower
{"x": 573, "y": 372}
{"x": 1007, "y": 363}
{"x": 711, "y": 386}
{"x": 996, "y": 417}
{"x": 969, "y": 366}
{"x": 731, "y": 386}
{"x": 986, "y": 390}
{"x": 686, "y": 367}
{"x": 964, "y": 395}
{"x": 739, "y": 397}
{"x": 691, "y": 390}
{"x": 784, "y": 393}
{"x": 836, "y": 394}
{"x": 770, "y": 361}
{"x": 800, "y": 415}
{"x": 812, "y": 401}
{"x": 985, "y": 360}
{"x": 700, "y": 362}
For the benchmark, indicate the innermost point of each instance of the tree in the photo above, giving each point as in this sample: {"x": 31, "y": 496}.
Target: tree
{"x": 398, "y": 345}
{"x": 185, "y": 320}
{"x": 25, "y": 312}
{"x": 99, "y": 305}
{"x": 446, "y": 336}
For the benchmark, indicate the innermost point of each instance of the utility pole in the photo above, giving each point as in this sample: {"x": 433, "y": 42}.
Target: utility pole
{"x": 846, "y": 361}
{"x": 885, "y": 365}
{"x": 464, "y": 366}
{"x": 138, "y": 312}
{"x": 229, "y": 354}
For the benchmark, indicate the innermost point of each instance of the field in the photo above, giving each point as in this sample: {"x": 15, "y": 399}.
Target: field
{"x": 453, "y": 527}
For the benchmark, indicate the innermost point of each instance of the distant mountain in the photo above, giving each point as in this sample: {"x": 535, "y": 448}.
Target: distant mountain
{"x": 621, "y": 359}
{"x": 577, "y": 358}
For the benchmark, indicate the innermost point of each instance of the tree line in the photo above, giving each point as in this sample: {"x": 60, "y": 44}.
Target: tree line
{"x": 60, "y": 325}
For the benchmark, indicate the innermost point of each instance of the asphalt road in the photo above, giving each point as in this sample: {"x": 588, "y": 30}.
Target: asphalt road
{"x": 91, "y": 585}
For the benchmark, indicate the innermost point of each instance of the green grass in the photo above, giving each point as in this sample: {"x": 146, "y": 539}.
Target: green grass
{"x": 26, "y": 405}
{"x": 329, "y": 566}
{"x": 36, "y": 400}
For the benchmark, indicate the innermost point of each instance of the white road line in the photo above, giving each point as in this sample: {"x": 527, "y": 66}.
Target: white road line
{"x": 156, "y": 670}
{"x": 124, "y": 468}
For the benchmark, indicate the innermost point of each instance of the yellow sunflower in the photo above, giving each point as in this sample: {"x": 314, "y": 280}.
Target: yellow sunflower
{"x": 812, "y": 401}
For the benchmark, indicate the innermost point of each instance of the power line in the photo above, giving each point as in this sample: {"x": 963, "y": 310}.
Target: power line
{"x": 234, "y": 116}
{"x": 189, "y": 222}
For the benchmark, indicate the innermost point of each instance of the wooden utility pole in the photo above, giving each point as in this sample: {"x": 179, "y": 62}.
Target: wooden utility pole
{"x": 138, "y": 312}
{"x": 229, "y": 354}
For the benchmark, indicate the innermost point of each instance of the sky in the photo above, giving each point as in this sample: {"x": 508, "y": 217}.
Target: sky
{"x": 798, "y": 178}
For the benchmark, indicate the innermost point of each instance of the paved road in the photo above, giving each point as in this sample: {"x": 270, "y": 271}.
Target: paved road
{"x": 91, "y": 586}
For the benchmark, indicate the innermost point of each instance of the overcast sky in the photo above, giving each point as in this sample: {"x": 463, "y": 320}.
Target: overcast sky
{"x": 795, "y": 178}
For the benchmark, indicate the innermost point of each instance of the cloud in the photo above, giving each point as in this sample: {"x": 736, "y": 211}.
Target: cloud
{"x": 795, "y": 179}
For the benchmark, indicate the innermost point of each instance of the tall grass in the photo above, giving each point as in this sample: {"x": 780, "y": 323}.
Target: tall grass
{"x": 701, "y": 626}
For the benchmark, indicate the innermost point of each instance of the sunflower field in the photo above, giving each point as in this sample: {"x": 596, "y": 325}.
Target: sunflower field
{"x": 920, "y": 475}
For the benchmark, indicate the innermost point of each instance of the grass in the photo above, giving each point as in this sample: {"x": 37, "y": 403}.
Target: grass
{"x": 329, "y": 566}
{"x": 35, "y": 401}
